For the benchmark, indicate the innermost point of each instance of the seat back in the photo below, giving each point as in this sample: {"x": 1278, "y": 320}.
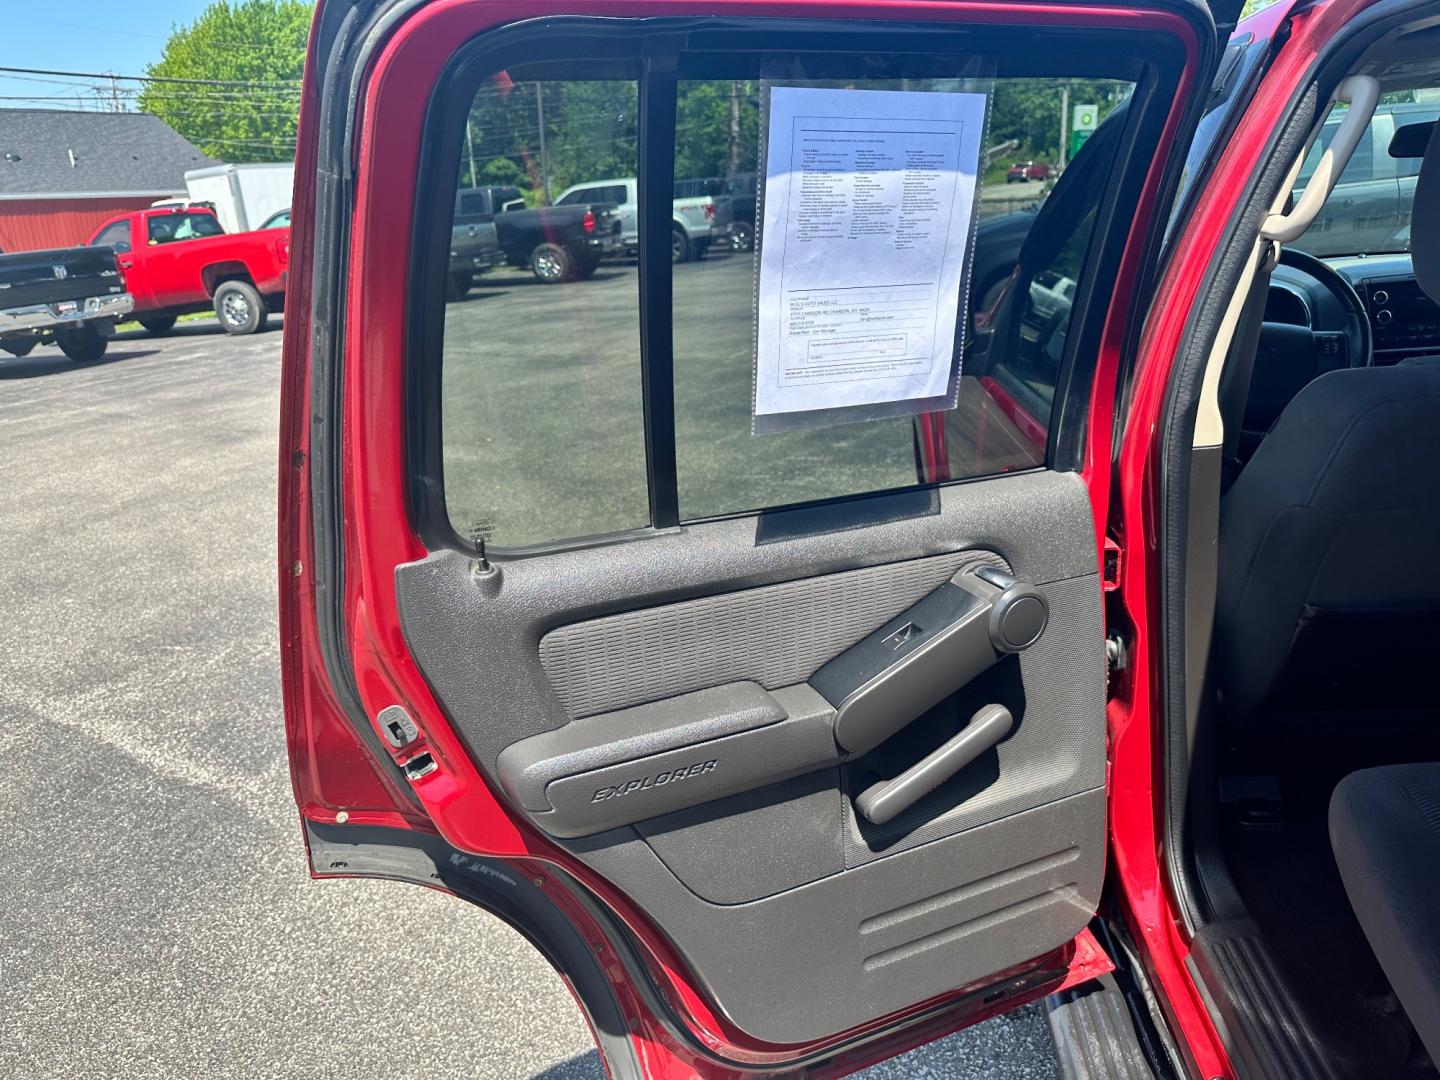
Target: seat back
{"x": 1329, "y": 596}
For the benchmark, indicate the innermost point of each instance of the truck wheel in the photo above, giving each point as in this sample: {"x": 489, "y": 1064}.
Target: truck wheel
{"x": 240, "y": 308}
{"x": 742, "y": 237}
{"x": 159, "y": 327}
{"x": 552, "y": 264}
{"x": 83, "y": 344}
{"x": 457, "y": 286}
{"x": 679, "y": 246}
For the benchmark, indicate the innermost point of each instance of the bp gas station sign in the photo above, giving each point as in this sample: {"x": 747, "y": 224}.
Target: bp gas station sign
{"x": 1083, "y": 119}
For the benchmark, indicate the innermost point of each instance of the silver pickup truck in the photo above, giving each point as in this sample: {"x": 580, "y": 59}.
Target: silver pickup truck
{"x": 70, "y": 298}
{"x": 697, "y": 216}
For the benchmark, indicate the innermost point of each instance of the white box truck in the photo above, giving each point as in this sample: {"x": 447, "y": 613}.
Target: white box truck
{"x": 243, "y": 195}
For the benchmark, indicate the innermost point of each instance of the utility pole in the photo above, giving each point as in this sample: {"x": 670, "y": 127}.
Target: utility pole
{"x": 544, "y": 159}
{"x": 732, "y": 164}
{"x": 470, "y": 149}
{"x": 1064, "y": 121}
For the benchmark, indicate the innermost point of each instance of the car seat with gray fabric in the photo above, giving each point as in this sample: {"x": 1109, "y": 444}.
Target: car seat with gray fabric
{"x": 1329, "y": 592}
{"x": 1385, "y": 832}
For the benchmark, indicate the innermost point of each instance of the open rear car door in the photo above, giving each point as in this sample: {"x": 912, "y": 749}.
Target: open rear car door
{"x": 788, "y": 749}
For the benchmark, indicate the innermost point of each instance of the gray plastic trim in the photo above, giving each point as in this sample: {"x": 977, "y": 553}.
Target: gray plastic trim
{"x": 928, "y": 652}
{"x": 730, "y": 739}
{"x": 765, "y": 891}
{"x": 477, "y": 639}
{"x": 530, "y": 765}
{"x": 888, "y": 934}
{"x": 883, "y": 802}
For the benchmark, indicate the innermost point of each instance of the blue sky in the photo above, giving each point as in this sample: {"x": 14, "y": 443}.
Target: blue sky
{"x": 82, "y": 35}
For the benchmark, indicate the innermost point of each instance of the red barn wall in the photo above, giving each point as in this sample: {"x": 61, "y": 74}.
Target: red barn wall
{"x": 35, "y": 224}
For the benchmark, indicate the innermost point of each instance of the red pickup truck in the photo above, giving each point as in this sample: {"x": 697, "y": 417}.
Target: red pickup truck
{"x": 179, "y": 259}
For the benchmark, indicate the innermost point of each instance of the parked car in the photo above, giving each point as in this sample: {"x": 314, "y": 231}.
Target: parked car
{"x": 178, "y": 260}
{"x": 1051, "y": 294}
{"x": 70, "y": 298}
{"x": 556, "y": 243}
{"x": 1024, "y": 171}
{"x": 474, "y": 243}
{"x": 1370, "y": 211}
{"x": 699, "y": 212}
{"x": 278, "y": 220}
{"x": 825, "y": 746}
{"x": 740, "y": 195}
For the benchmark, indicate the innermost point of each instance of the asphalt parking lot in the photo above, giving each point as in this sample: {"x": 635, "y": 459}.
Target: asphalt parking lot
{"x": 159, "y": 920}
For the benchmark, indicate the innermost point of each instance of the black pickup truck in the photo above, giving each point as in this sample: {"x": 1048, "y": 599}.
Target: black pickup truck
{"x": 68, "y": 298}
{"x": 557, "y": 243}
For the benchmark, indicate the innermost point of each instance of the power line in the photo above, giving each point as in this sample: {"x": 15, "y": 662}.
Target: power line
{"x": 291, "y": 83}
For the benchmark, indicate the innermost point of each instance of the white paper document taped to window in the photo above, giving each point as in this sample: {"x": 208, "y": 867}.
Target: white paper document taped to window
{"x": 866, "y": 230}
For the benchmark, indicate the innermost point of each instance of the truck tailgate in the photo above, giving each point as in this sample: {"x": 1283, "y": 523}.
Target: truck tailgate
{"x": 48, "y": 277}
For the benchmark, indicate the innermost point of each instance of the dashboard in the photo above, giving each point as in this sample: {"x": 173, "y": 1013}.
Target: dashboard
{"x": 1403, "y": 320}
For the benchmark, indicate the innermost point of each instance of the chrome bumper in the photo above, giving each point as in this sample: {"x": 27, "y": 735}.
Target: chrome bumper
{"x": 42, "y": 316}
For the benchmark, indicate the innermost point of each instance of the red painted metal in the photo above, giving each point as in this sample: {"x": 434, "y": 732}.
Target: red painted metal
{"x": 1033, "y": 430}
{"x": 330, "y": 769}
{"x": 37, "y": 224}
{"x": 1137, "y": 754}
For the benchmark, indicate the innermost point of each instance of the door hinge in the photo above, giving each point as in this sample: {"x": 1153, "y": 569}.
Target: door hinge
{"x": 1117, "y": 654}
{"x": 1112, "y": 566}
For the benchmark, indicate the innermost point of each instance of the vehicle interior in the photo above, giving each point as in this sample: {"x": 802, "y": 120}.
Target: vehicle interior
{"x": 1305, "y": 789}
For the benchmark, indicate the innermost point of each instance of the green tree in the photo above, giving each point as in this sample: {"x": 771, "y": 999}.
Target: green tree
{"x": 259, "y": 45}
{"x": 1028, "y": 111}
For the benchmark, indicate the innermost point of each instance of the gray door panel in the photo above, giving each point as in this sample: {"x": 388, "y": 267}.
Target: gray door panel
{"x": 801, "y": 917}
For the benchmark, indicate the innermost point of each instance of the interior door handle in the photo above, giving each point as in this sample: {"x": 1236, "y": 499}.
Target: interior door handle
{"x": 924, "y": 655}
{"x": 886, "y": 800}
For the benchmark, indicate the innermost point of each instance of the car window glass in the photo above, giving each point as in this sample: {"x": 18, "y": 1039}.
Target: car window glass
{"x": 542, "y": 412}
{"x": 1003, "y": 414}
{"x": 116, "y": 236}
{"x": 1368, "y": 212}
{"x": 168, "y": 228}
{"x": 472, "y": 204}
{"x": 542, "y": 407}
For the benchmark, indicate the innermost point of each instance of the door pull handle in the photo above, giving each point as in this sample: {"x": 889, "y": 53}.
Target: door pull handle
{"x": 884, "y": 801}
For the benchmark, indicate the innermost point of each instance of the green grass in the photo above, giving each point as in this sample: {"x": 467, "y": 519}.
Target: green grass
{"x": 193, "y": 317}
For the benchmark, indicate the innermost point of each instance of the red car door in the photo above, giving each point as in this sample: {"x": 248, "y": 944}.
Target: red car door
{"x": 786, "y": 743}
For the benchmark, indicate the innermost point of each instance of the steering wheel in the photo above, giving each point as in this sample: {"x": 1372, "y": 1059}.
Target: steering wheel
{"x": 1329, "y": 347}
{"x": 1288, "y": 357}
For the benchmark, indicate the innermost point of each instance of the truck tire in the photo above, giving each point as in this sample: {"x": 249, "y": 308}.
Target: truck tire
{"x": 742, "y": 237}
{"x": 457, "y": 286}
{"x": 159, "y": 327}
{"x": 83, "y": 344}
{"x": 552, "y": 263}
{"x": 240, "y": 308}
{"x": 679, "y": 246}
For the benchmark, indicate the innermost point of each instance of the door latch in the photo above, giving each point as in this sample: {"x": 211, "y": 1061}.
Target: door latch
{"x": 397, "y": 726}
